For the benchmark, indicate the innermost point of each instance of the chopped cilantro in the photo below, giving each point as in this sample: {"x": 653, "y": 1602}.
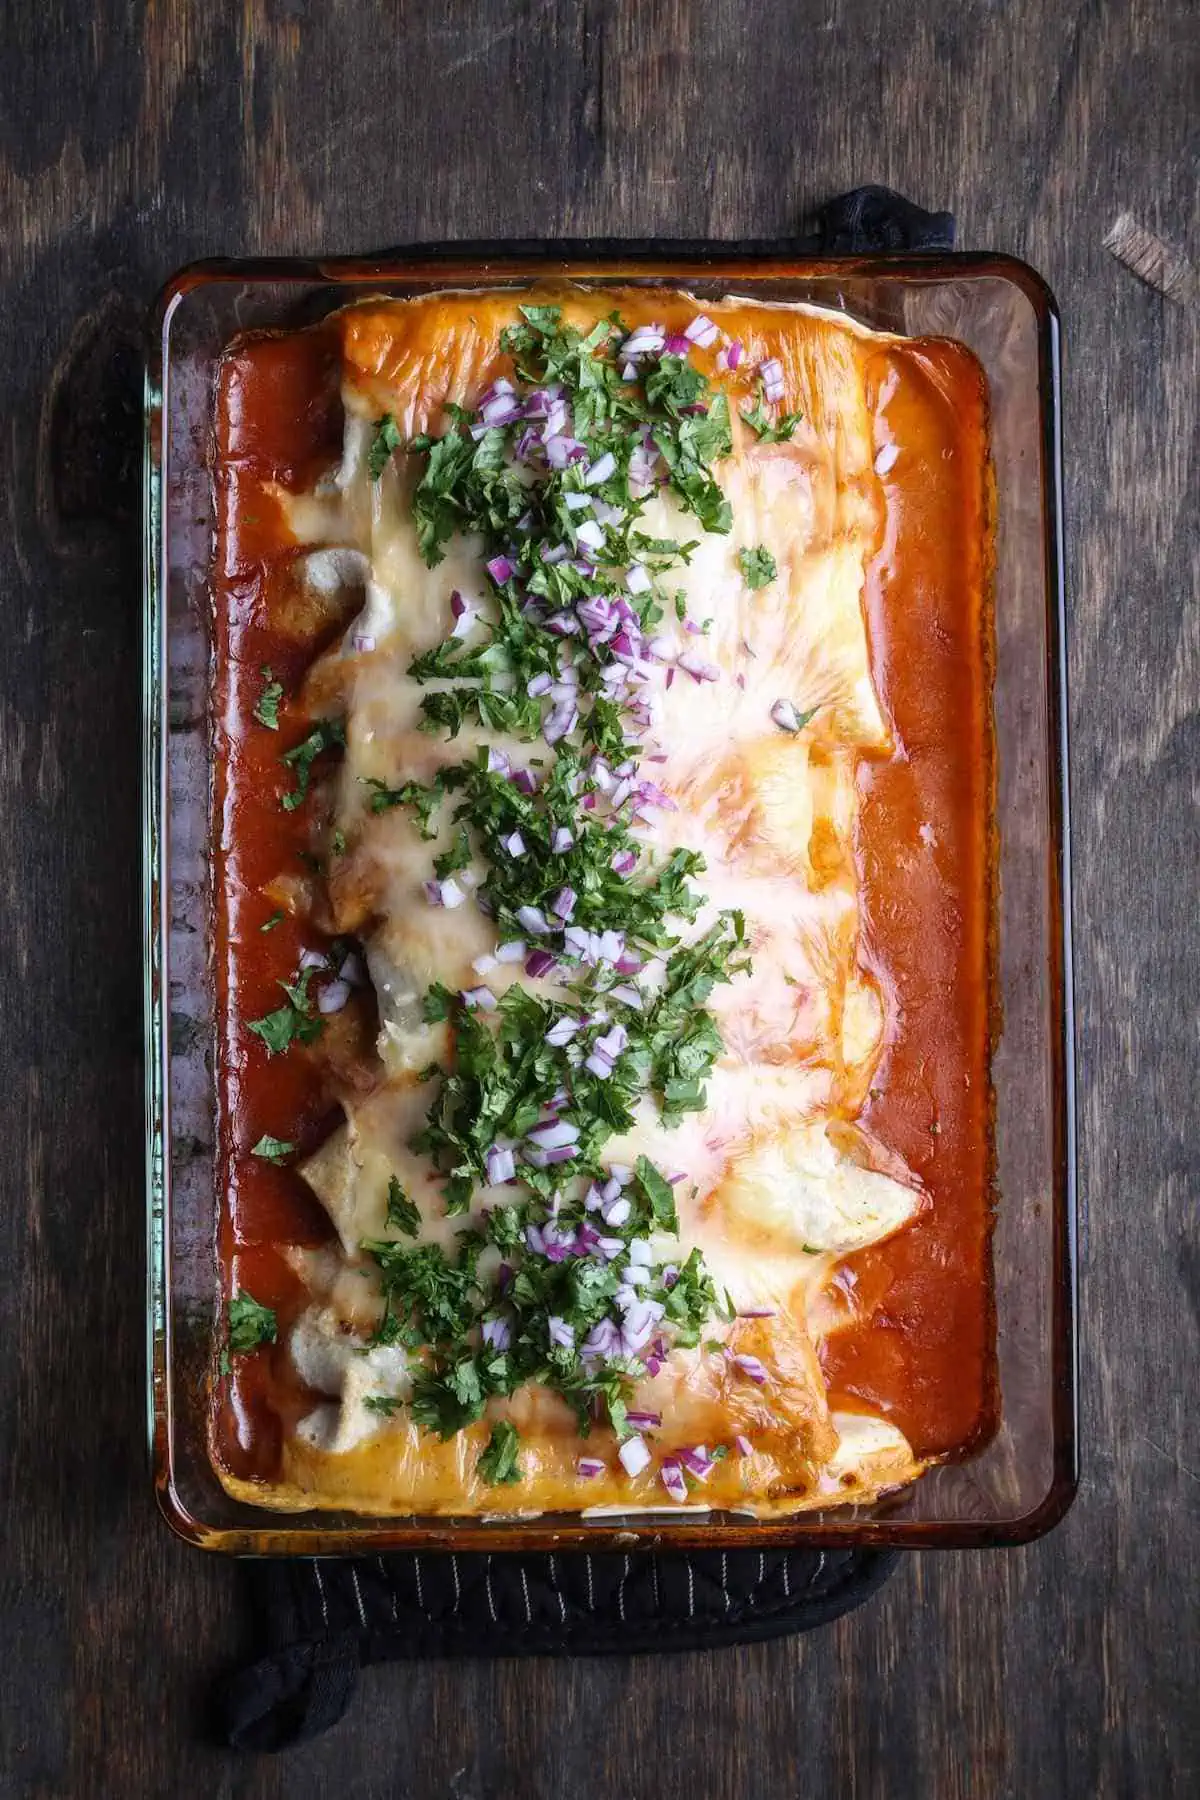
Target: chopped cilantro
{"x": 338, "y": 843}
{"x": 498, "y": 1464}
{"x": 771, "y": 431}
{"x": 275, "y": 919}
{"x": 386, "y": 439}
{"x": 272, "y": 1149}
{"x": 757, "y": 566}
{"x": 294, "y": 1021}
{"x": 325, "y": 735}
{"x": 424, "y": 800}
{"x": 657, "y": 1194}
{"x": 266, "y": 707}
{"x": 385, "y": 1404}
{"x": 249, "y": 1323}
{"x": 402, "y": 1213}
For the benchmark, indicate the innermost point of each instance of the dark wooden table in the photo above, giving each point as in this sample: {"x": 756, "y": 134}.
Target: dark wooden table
{"x": 133, "y": 139}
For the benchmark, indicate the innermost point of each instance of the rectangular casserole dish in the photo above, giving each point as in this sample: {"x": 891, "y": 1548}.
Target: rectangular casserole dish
{"x": 1022, "y": 1480}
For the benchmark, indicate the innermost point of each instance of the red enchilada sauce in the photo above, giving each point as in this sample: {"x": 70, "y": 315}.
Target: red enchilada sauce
{"x": 918, "y": 1345}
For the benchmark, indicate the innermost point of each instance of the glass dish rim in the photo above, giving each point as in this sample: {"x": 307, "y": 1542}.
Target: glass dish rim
{"x": 486, "y": 263}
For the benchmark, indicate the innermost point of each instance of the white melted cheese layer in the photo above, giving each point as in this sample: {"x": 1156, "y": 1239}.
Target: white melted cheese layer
{"x": 768, "y": 1195}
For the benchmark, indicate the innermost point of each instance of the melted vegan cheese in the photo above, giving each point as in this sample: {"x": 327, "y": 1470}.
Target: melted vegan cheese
{"x": 780, "y": 1182}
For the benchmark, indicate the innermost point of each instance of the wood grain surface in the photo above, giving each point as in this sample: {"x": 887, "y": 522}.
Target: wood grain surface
{"x": 133, "y": 138}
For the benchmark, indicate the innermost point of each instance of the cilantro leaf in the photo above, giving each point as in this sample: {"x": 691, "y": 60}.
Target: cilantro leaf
{"x": 275, "y": 919}
{"x": 498, "y": 1464}
{"x": 385, "y": 1404}
{"x": 657, "y": 1193}
{"x": 327, "y": 734}
{"x": 402, "y": 1213}
{"x": 386, "y": 439}
{"x": 249, "y": 1323}
{"x": 770, "y": 431}
{"x": 272, "y": 1149}
{"x": 292, "y": 1022}
{"x": 758, "y": 566}
{"x": 423, "y": 799}
{"x": 266, "y": 707}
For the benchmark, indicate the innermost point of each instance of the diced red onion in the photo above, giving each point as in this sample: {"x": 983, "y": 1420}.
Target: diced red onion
{"x": 539, "y": 963}
{"x": 333, "y": 996}
{"x": 643, "y": 1421}
{"x": 621, "y": 1172}
{"x": 561, "y": 624}
{"x": 514, "y": 843}
{"x": 602, "y": 1340}
{"x": 352, "y": 970}
{"x": 591, "y": 533}
{"x": 600, "y": 470}
{"x": 545, "y": 1159}
{"x": 670, "y": 1275}
{"x": 575, "y": 502}
{"x": 771, "y": 372}
{"x": 313, "y": 959}
{"x": 483, "y": 965}
{"x": 503, "y": 410}
{"x": 537, "y": 685}
{"x": 557, "y": 415}
{"x": 640, "y": 1252}
{"x": 598, "y": 1065}
{"x": 512, "y": 952}
{"x": 634, "y": 1456}
{"x": 749, "y": 1365}
{"x": 671, "y": 1476}
{"x": 612, "y": 1043}
{"x": 562, "y": 841}
{"x": 590, "y": 1466}
{"x": 611, "y": 946}
{"x": 677, "y": 344}
{"x": 497, "y": 762}
{"x": 501, "y": 1165}
{"x": 647, "y": 340}
{"x": 616, "y": 1212}
{"x": 534, "y": 920}
{"x": 756, "y": 1312}
{"x": 563, "y": 903}
{"x": 560, "y": 1331}
{"x": 786, "y": 715}
{"x": 608, "y": 1247}
{"x": 363, "y": 642}
{"x": 698, "y": 667}
{"x": 479, "y": 999}
{"x": 554, "y": 1136}
{"x": 444, "y": 893}
{"x": 696, "y": 1462}
{"x": 501, "y": 570}
{"x": 743, "y": 1446}
{"x": 525, "y": 781}
{"x": 560, "y": 722}
{"x": 497, "y": 1333}
{"x": 886, "y": 458}
{"x": 733, "y": 354}
{"x": 701, "y": 331}
{"x": 562, "y": 450}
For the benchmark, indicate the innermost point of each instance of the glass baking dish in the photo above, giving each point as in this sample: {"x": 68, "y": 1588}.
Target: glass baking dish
{"x": 1022, "y": 1481}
